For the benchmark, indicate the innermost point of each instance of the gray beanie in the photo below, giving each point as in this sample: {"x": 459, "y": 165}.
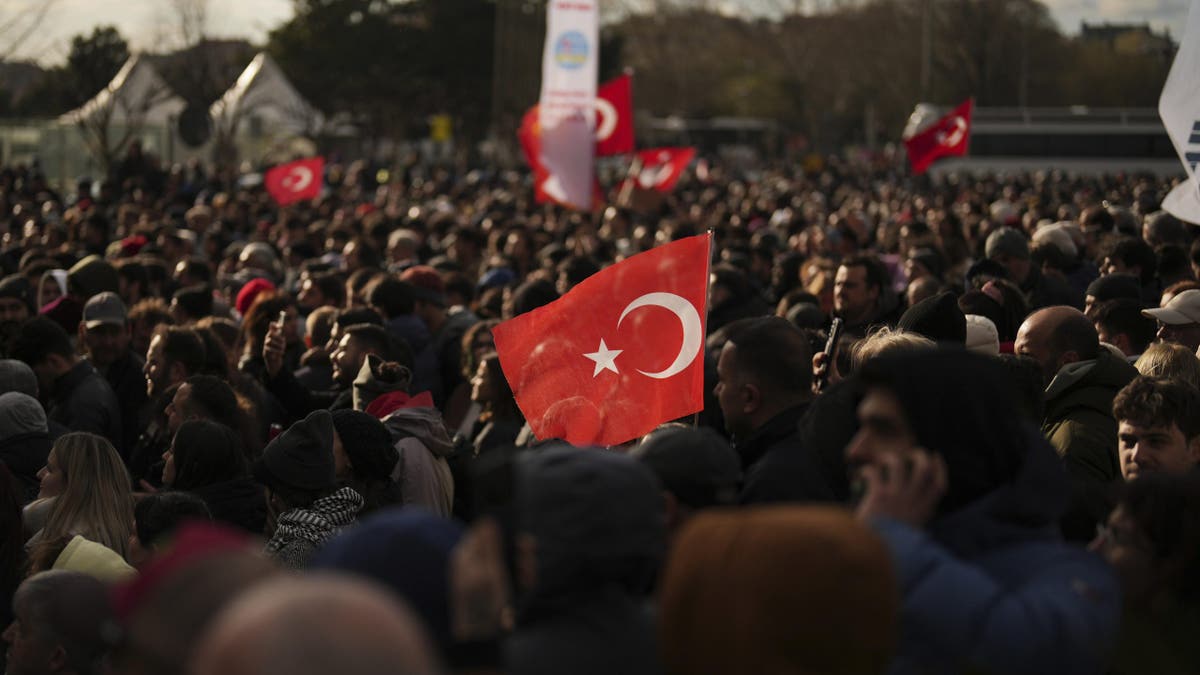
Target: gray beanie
{"x": 1007, "y": 241}
{"x": 18, "y": 376}
{"x": 20, "y": 414}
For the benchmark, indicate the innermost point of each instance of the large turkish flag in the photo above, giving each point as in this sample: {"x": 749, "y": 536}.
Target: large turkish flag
{"x": 619, "y": 354}
{"x": 296, "y": 181}
{"x": 950, "y": 136}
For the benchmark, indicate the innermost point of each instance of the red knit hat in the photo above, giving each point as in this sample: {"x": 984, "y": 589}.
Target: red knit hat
{"x": 250, "y": 292}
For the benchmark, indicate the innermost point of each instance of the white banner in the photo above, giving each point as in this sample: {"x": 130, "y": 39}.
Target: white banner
{"x": 566, "y": 109}
{"x": 1179, "y": 108}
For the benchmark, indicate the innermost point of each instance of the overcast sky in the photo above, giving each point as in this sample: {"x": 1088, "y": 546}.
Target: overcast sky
{"x": 146, "y": 23}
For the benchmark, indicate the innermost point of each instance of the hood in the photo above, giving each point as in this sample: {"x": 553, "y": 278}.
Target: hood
{"x": 93, "y": 275}
{"x": 372, "y": 382}
{"x": 21, "y": 414}
{"x": 424, "y": 424}
{"x": 598, "y": 520}
{"x": 1091, "y": 383}
{"x": 1027, "y": 508}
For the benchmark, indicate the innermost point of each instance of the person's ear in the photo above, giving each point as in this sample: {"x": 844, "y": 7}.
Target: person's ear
{"x": 1193, "y": 447}
{"x": 752, "y": 397}
{"x": 178, "y": 372}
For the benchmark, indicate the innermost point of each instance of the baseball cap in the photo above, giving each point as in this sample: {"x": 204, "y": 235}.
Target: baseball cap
{"x": 1182, "y": 309}
{"x": 105, "y": 309}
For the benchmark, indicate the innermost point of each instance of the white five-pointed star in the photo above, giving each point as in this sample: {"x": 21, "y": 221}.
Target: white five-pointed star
{"x": 605, "y": 358}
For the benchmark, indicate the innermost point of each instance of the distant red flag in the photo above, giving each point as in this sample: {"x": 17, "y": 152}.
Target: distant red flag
{"x": 662, "y": 167}
{"x": 948, "y": 137}
{"x": 619, "y": 354}
{"x": 296, "y": 181}
{"x": 545, "y": 185}
{"x": 614, "y": 117}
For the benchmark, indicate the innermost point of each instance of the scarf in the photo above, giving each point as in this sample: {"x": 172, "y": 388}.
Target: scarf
{"x": 317, "y": 523}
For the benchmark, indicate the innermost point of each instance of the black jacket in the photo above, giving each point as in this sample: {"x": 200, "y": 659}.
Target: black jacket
{"x": 83, "y": 401}
{"x": 783, "y": 466}
{"x": 129, "y": 384}
{"x": 239, "y": 502}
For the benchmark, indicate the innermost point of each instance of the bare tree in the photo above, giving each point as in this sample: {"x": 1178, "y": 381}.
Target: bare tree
{"x": 118, "y": 114}
{"x": 19, "y": 21}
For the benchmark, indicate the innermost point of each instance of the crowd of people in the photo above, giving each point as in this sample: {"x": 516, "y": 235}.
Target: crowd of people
{"x": 236, "y": 437}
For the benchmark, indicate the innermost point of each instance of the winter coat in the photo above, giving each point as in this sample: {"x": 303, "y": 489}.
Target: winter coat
{"x": 83, "y": 401}
{"x": 780, "y": 467}
{"x": 991, "y": 588}
{"x": 597, "y": 520}
{"x": 422, "y": 471}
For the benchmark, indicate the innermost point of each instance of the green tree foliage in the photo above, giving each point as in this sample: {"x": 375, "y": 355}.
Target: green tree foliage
{"x": 91, "y": 64}
{"x": 391, "y": 64}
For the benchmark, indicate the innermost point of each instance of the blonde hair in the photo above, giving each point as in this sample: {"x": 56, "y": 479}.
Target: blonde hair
{"x": 97, "y": 498}
{"x": 1166, "y": 359}
{"x": 885, "y": 340}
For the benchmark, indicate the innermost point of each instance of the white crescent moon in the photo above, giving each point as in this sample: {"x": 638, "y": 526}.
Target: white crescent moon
{"x": 960, "y": 128}
{"x": 606, "y": 122}
{"x": 693, "y": 332}
{"x": 299, "y": 178}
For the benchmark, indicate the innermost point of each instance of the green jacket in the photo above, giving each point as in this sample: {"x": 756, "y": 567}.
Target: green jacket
{"x": 1079, "y": 422}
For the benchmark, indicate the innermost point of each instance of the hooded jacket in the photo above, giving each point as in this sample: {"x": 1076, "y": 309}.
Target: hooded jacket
{"x": 988, "y": 584}
{"x": 83, "y": 401}
{"x": 598, "y": 522}
{"x": 1079, "y": 422}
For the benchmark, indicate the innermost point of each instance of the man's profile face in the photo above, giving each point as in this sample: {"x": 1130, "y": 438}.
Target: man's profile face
{"x": 1155, "y": 449}
{"x": 1187, "y": 334}
{"x": 157, "y": 370}
{"x": 883, "y": 432}
{"x": 347, "y": 360}
{"x": 28, "y": 652}
{"x": 853, "y": 298}
{"x": 730, "y": 393}
{"x": 1032, "y": 341}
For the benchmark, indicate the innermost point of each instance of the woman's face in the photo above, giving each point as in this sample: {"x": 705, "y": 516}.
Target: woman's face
{"x": 168, "y": 474}
{"x": 51, "y": 476}
{"x": 49, "y": 292}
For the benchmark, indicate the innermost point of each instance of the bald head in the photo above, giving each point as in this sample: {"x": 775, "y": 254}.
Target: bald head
{"x": 316, "y": 625}
{"x": 1057, "y": 336}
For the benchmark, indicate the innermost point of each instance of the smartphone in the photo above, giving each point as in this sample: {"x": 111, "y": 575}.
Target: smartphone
{"x": 835, "y": 334}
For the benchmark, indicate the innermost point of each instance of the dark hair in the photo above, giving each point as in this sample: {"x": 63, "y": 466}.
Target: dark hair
{"x": 1154, "y": 402}
{"x": 213, "y": 399}
{"x": 368, "y": 254}
{"x": 1166, "y": 508}
{"x": 773, "y": 354}
{"x": 1164, "y": 228}
{"x": 37, "y": 339}
{"x": 157, "y": 516}
{"x": 1173, "y": 262}
{"x": 391, "y": 296}
{"x": 457, "y": 282}
{"x": 361, "y": 278}
{"x": 877, "y": 275}
{"x": 206, "y": 453}
{"x": 150, "y": 310}
{"x": 356, "y": 316}
{"x": 577, "y": 268}
{"x": 198, "y": 269}
{"x": 134, "y": 273}
{"x": 1133, "y": 251}
{"x": 530, "y": 295}
{"x": 332, "y": 285}
{"x": 183, "y": 346}
{"x": 376, "y": 340}
{"x": 257, "y": 322}
{"x": 196, "y": 300}
{"x": 504, "y": 403}
{"x": 469, "y": 363}
{"x": 1123, "y": 316}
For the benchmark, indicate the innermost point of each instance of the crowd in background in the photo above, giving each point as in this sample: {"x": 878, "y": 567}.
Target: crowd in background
{"x": 236, "y": 437}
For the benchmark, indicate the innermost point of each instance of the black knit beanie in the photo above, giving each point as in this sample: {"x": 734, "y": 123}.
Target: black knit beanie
{"x": 367, "y": 442}
{"x": 301, "y": 457}
{"x": 937, "y": 318}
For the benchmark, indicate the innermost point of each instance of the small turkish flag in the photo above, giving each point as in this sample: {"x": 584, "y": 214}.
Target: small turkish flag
{"x": 948, "y": 137}
{"x": 619, "y": 354}
{"x": 662, "y": 167}
{"x": 614, "y": 117}
{"x": 296, "y": 181}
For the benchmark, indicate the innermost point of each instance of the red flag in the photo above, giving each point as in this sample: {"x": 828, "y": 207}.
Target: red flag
{"x": 619, "y": 354}
{"x": 948, "y": 137}
{"x": 295, "y": 181}
{"x": 614, "y": 117}
{"x": 545, "y": 184}
{"x": 662, "y": 167}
